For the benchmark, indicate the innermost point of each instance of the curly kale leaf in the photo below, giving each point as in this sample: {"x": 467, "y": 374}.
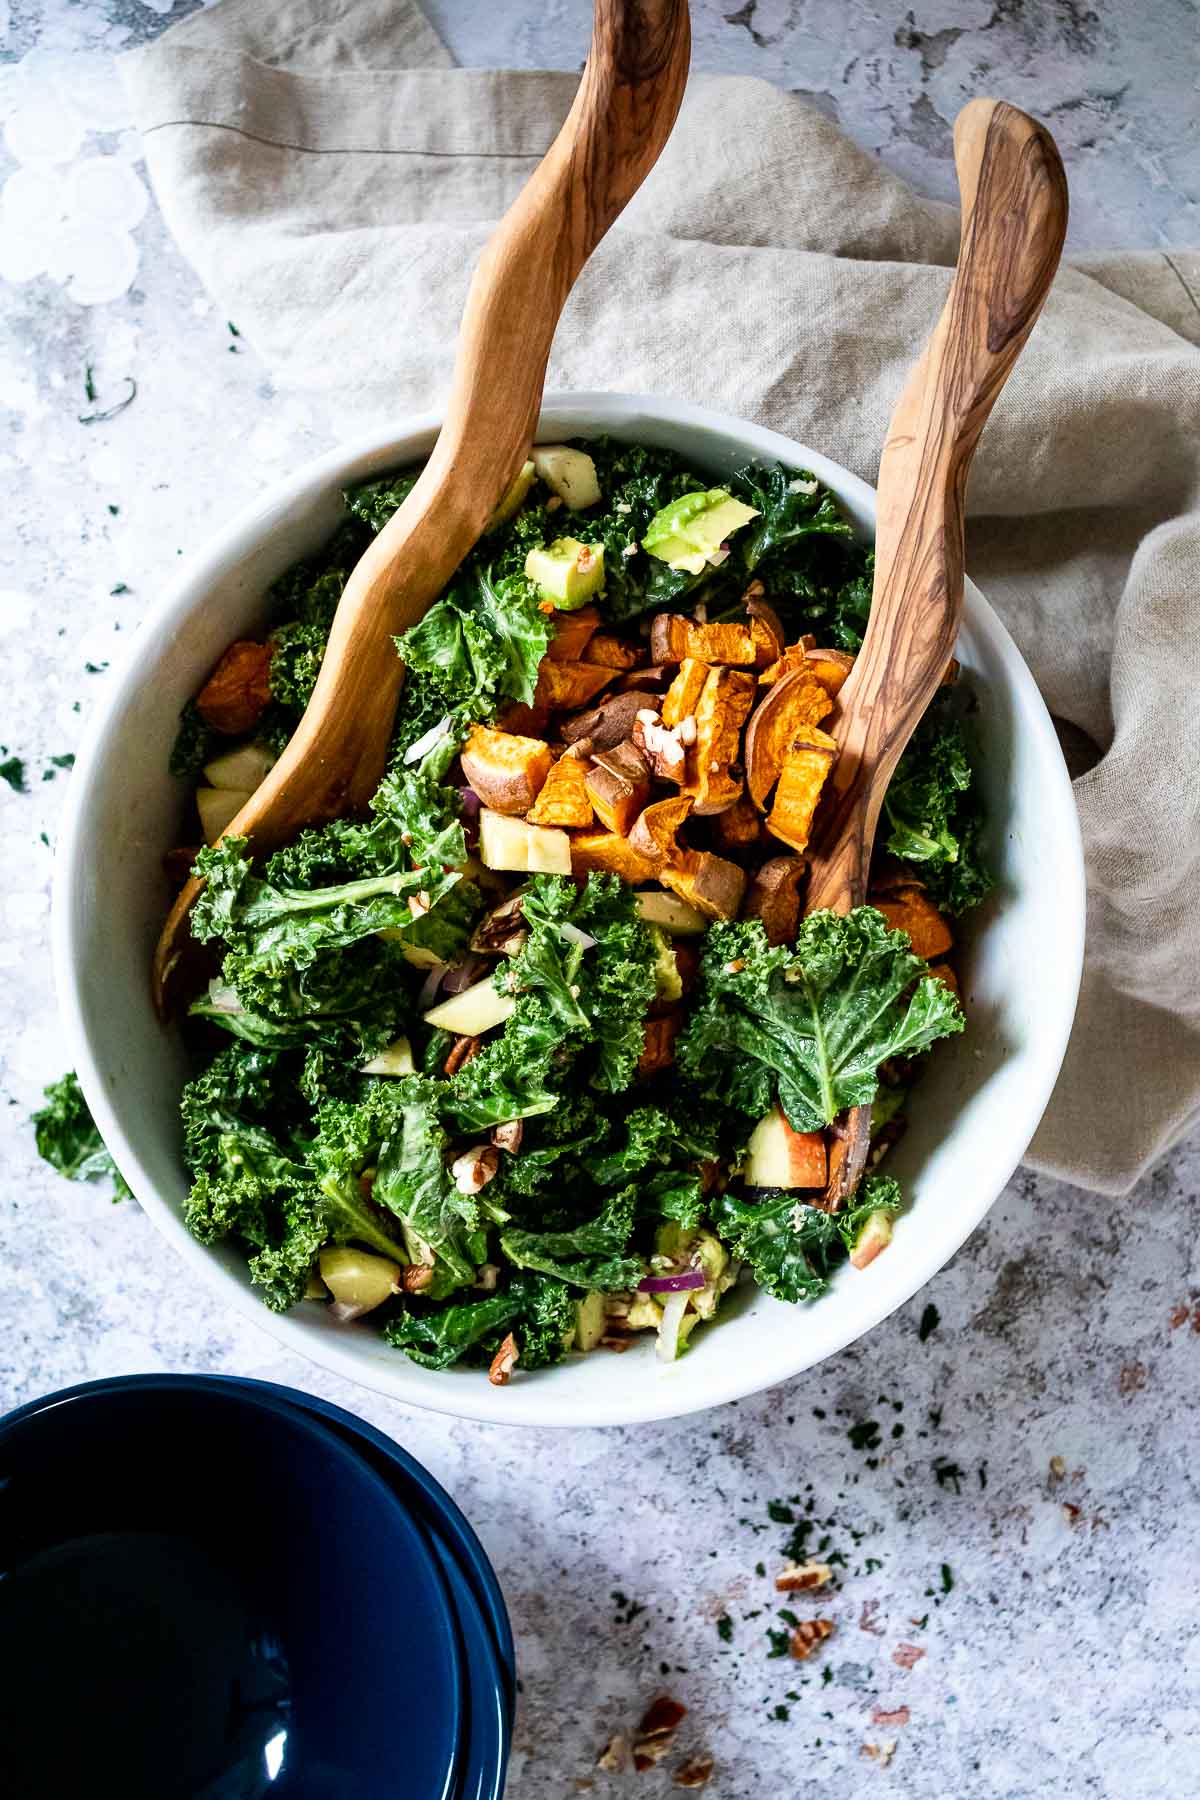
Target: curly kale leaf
{"x": 809, "y": 1024}
{"x": 256, "y": 1192}
{"x": 933, "y": 812}
{"x": 376, "y": 501}
{"x": 195, "y": 744}
{"x": 481, "y": 642}
{"x": 68, "y": 1139}
{"x": 791, "y": 1247}
{"x": 592, "y": 1255}
{"x": 438, "y": 1339}
{"x": 600, "y": 994}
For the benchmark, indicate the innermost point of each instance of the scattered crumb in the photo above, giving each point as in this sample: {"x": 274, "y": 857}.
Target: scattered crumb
{"x": 1133, "y": 1378}
{"x": 898, "y": 1715}
{"x": 867, "y": 1620}
{"x": 807, "y": 1635}
{"x": 695, "y": 1773}
{"x": 880, "y": 1753}
{"x": 799, "y": 1578}
{"x": 906, "y": 1655}
{"x": 615, "y": 1756}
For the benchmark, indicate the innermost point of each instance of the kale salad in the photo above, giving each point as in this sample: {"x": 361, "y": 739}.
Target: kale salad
{"x": 543, "y": 1053}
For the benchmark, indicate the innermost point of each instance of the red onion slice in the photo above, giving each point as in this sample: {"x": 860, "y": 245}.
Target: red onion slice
{"x": 689, "y": 1281}
{"x": 430, "y": 986}
{"x": 464, "y": 974}
{"x": 471, "y": 802}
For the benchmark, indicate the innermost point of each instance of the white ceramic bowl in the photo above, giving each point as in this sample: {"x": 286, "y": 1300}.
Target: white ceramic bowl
{"x": 979, "y": 1101}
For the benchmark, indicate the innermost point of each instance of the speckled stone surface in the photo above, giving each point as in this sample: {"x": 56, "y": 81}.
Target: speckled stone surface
{"x": 1013, "y": 1489}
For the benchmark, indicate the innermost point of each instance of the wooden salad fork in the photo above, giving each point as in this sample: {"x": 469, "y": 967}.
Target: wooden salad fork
{"x": 1014, "y": 220}
{"x": 622, "y": 115}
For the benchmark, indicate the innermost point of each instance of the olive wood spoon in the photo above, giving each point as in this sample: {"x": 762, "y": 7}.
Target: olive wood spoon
{"x": 1014, "y": 219}
{"x": 622, "y": 115}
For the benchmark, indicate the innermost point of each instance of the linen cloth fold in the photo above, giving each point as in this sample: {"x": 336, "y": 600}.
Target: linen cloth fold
{"x": 332, "y": 177}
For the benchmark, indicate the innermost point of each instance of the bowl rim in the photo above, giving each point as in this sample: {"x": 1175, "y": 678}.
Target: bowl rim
{"x": 533, "y": 1402}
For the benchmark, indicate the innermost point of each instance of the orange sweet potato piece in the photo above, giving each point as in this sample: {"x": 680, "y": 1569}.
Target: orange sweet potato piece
{"x": 653, "y": 834}
{"x": 611, "y": 854}
{"x": 736, "y": 645}
{"x": 235, "y": 696}
{"x": 564, "y": 798}
{"x": 572, "y": 633}
{"x": 793, "y": 658}
{"x": 805, "y": 768}
{"x": 659, "y": 1050}
{"x": 524, "y": 721}
{"x": 739, "y": 827}
{"x": 683, "y": 696}
{"x": 915, "y": 914}
{"x": 613, "y": 652}
{"x": 506, "y": 771}
{"x": 618, "y": 786}
{"x": 783, "y": 714}
{"x": 945, "y": 974}
{"x": 562, "y": 685}
{"x": 774, "y": 898}
{"x": 669, "y": 638}
{"x": 830, "y": 667}
{"x": 726, "y": 699}
{"x": 709, "y": 883}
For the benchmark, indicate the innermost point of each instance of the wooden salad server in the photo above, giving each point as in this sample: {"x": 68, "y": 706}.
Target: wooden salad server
{"x": 1014, "y": 219}
{"x": 622, "y": 115}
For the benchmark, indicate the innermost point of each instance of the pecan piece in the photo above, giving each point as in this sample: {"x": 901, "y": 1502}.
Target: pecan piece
{"x": 503, "y": 1363}
{"x": 807, "y": 1635}
{"x": 235, "y": 696}
{"x": 695, "y": 1773}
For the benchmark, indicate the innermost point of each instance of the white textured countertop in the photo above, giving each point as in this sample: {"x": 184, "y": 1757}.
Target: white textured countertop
{"x": 1029, "y": 1493}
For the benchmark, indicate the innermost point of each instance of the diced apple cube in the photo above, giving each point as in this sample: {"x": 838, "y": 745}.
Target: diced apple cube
{"x": 506, "y": 843}
{"x": 476, "y": 1010}
{"x": 876, "y": 1235}
{"x": 396, "y": 1059}
{"x": 218, "y": 807}
{"x": 672, "y": 913}
{"x": 778, "y": 1157}
{"x": 242, "y": 769}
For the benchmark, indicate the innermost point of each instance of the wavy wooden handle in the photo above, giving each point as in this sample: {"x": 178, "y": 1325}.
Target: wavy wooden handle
{"x": 610, "y": 140}
{"x": 1014, "y": 218}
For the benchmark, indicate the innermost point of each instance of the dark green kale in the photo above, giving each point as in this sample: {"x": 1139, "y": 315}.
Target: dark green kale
{"x": 67, "y": 1137}
{"x": 809, "y": 1024}
{"x": 375, "y": 502}
{"x": 591, "y": 1255}
{"x": 12, "y": 770}
{"x": 933, "y": 813}
{"x": 195, "y": 744}
{"x": 791, "y": 1247}
{"x": 537, "y": 1310}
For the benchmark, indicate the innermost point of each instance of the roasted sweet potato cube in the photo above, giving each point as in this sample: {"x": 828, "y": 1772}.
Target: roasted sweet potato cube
{"x": 611, "y": 854}
{"x": 613, "y": 652}
{"x": 661, "y": 1034}
{"x": 683, "y": 696}
{"x": 612, "y": 722}
{"x": 739, "y": 827}
{"x": 709, "y": 883}
{"x": 669, "y": 638}
{"x": 235, "y": 696}
{"x": 572, "y": 633}
{"x": 945, "y": 974}
{"x": 564, "y": 796}
{"x": 734, "y": 645}
{"x": 798, "y": 791}
{"x": 782, "y": 715}
{"x": 659, "y": 1051}
{"x": 563, "y": 685}
{"x": 830, "y": 667}
{"x": 506, "y": 771}
{"x": 726, "y": 699}
{"x": 654, "y": 831}
{"x": 524, "y": 721}
{"x": 793, "y": 658}
{"x": 774, "y": 897}
{"x": 915, "y": 914}
{"x": 618, "y": 785}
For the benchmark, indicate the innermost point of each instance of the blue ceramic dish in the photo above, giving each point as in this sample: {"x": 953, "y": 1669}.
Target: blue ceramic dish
{"x": 214, "y": 1594}
{"x": 430, "y": 1502}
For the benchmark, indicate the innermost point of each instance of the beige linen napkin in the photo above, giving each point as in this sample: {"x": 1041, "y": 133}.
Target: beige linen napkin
{"x": 332, "y": 178}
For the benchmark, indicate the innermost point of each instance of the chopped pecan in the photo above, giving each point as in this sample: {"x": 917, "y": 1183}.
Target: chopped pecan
{"x": 508, "y": 1136}
{"x": 462, "y": 1051}
{"x": 696, "y": 1772}
{"x": 807, "y": 1635}
{"x": 235, "y": 696}
{"x": 503, "y": 1363}
{"x": 880, "y": 1753}
{"x": 906, "y": 1656}
{"x": 798, "y": 1578}
{"x": 475, "y": 1168}
{"x": 899, "y": 1715}
{"x": 615, "y": 1755}
{"x": 415, "y": 1277}
{"x": 662, "y": 1718}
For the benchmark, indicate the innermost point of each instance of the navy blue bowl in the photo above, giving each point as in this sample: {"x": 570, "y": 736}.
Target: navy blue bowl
{"x": 429, "y": 1502}
{"x": 475, "y": 1592}
{"x": 206, "y": 1592}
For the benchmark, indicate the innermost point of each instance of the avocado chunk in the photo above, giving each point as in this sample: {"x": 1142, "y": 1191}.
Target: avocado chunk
{"x": 514, "y": 496}
{"x": 667, "y": 982}
{"x": 571, "y": 474}
{"x": 567, "y": 572}
{"x": 690, "y": 532}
